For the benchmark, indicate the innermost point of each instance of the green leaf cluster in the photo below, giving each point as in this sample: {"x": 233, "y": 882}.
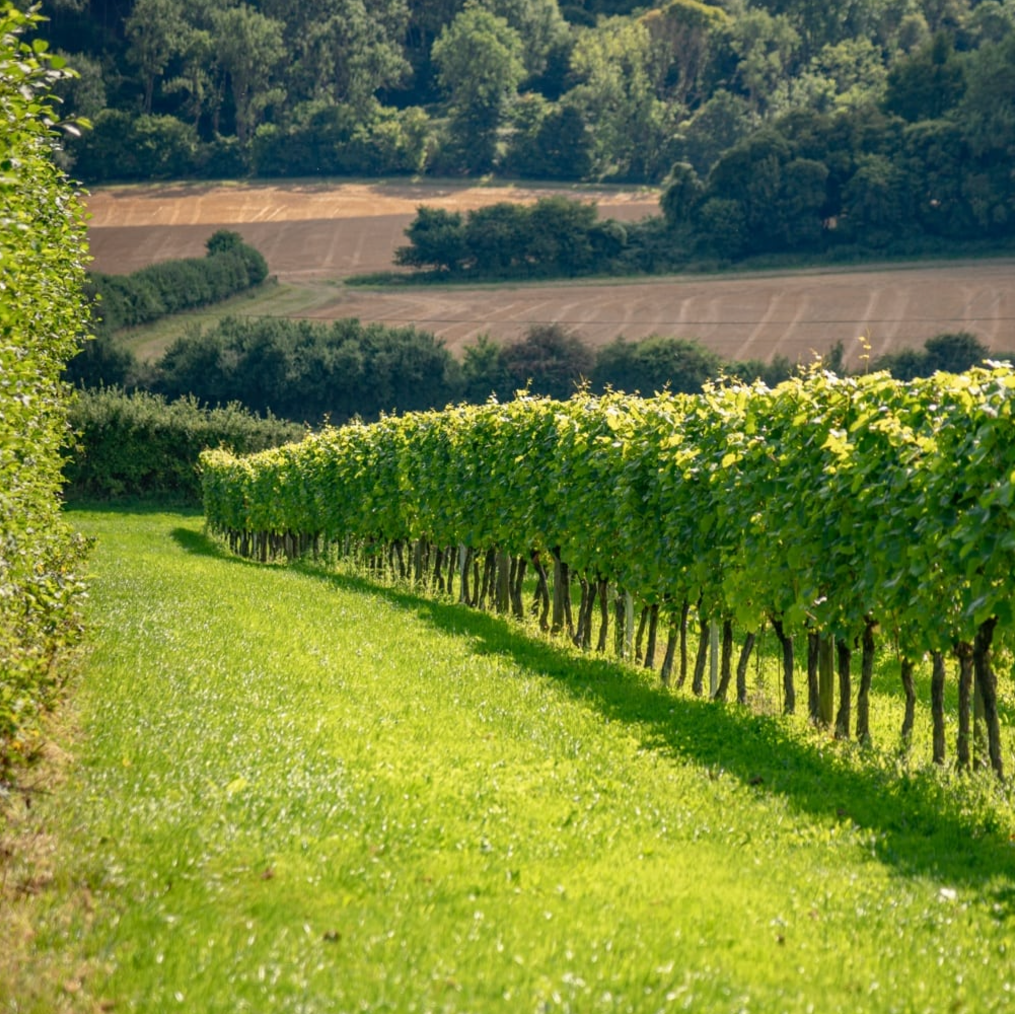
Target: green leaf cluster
{"x": 42, "y": 313}
{"x": 142, "y": 445}
{"x": 827, "y": 502}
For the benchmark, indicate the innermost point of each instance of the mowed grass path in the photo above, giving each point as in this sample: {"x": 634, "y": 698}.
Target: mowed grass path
{"x": 298, "y": 792}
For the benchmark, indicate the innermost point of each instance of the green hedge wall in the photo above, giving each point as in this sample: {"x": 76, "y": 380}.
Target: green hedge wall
{"x": 142, "y": 445}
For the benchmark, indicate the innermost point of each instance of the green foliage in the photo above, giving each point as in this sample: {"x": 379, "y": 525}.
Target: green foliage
{"x": 550, "y": 360}
{"x": 927, "y": 84}
{"x": 554, "y": 236}
{"x": 479, "y": 62}
{"x": 436, "y": 240}
{"x": 655, "y": 364}
{"x": 830, "y": 503}
{"x": 140, "y": 445}
{"x": 168, "y": 287}
{"x": 615, "y": 93}
{"x": 42, "y": 315}
{"x": 124, "y": 147}
{"x": 343, "y": 140}
{"x": 308, "y": 371}
{"x": 949, "y": 353}
{"x": 557, "y": 146}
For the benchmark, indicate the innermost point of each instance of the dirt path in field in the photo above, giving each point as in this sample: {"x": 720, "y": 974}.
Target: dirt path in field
{"x": 314, "y": 232}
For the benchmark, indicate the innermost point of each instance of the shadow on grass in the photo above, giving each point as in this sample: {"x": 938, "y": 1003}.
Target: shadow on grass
{"x": 920, "y": 824}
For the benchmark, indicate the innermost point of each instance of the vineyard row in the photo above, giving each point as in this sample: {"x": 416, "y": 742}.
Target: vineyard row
{"x": 834, "y": 509}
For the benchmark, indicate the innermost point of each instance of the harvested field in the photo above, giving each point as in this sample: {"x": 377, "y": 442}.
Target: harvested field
{"x": 306, "y": 231}
{"x": 748, "y": 316}
{"x": 314, "y": 233}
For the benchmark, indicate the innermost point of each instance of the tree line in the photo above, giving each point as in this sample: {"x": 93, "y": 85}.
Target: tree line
{"x": 309, "y": 372}
{"x": 593, "y": 90}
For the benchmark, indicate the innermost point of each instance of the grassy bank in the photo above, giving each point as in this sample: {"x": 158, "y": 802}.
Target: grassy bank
{"x": 295, "y": 791}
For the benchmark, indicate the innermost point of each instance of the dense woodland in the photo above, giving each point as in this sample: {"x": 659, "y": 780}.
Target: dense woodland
{"x": 777, "y": 126}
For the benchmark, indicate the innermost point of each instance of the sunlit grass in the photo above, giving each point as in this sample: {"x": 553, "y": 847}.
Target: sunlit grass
{"x": 297, "y": 791}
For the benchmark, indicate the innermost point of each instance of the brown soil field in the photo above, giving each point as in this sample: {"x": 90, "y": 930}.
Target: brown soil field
{"x": 314, "y": 232}
{"x": 306, "y": 231}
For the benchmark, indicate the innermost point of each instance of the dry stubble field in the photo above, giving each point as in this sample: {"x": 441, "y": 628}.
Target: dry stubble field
{"x": 315, "y": 233}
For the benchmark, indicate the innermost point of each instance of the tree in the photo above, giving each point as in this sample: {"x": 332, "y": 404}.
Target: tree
{"x": 938, "y": 160}
{"x": 250, "y": 50}
{"x": 555, "y": 145}
{"x": 199, "y": 79}
{"x": 615, "y": 92}
{"x": 797, "y": 216}
{"x": 497, "y": 238}
{"x": 780, "y": 199}
{"x": 655, "y": 364}
{"x": 850, "y": 73}
{"x": 990, "y": 21}
{"x": 484, "y": 371}
{"x": 955, "y": 352}
{"x": 927, "y": 84}
{"x": 767, "y": 48}
{"x": 436, "y": 239}
{"x": 681, "y": 196}
{"x": 156, "y": 31}
{"x": 550, "y": 358}
{"x": 987, "y": 109}
{"x": 479, "y": 61}
{"x": 717, "y": 125}
{"x": 948, "y": 353}
{"x": 342, "y": 50}
{"x": 561, "y": 234}
{"x": 877, "y": 201}
{"x": 681, "y": 33}
{"x": 539, "y": 26}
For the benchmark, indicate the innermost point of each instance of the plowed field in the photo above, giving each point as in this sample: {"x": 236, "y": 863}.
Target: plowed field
{"x": 315, "y": 233}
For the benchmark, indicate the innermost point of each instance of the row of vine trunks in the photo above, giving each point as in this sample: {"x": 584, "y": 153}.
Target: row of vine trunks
{"x": 829, "y": 508}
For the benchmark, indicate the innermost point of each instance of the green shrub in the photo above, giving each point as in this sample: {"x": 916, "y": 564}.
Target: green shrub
{"x": 42, "y": 312}
{"x": 124, "y": 147}
{"x": 231, "y": 266}
{"x": 142, "y": 445}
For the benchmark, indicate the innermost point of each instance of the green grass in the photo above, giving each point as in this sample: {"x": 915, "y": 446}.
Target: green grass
{"x": 298, "y": 791}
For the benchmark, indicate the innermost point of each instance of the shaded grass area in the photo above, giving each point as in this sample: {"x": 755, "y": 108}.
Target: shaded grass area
{"x": 917, "y": 824}
{"x": 300, "y": 791}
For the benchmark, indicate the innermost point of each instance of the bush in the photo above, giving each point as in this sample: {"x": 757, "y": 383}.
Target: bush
{"x": 140, "y": 444}
{"x": 121, "y": 146}
{"x": 42, "y": 313}
{"x": 171, "y": 286}
{"x": 305, "y": 370}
